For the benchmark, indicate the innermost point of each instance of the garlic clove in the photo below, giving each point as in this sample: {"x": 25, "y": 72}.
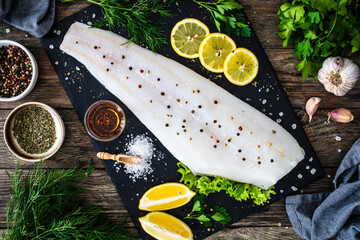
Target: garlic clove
{"x": 341, "y": 115}
{"x": 311, "y": 106}
{"x": 338, "y": 75}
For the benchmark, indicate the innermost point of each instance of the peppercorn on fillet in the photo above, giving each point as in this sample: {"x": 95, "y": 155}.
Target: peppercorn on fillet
{"x": 202, "y": 125}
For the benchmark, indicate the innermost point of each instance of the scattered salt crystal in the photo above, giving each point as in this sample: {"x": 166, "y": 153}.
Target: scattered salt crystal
{"x": 248, "y": 99}
{"x": 313, "y": 171}
{"x": 89, "y": 23}
{"x": 281, "y": 191}
{"x": 77, "y": 68}
{"x": 7, "y": 30}
{"x": 311, "y": 159}
{"x": 301, "y": 191}
{"x": 270, "y": 114}
{"x": 259, "y": 90}
{"x": 339, "y": 150}
{"x": 307, "y": 167}
{"x": 337, "y": 138}
{"x": 264, "y": 101}
{"x": 294, "y": 188}
{"x": 329, "y": 176}
{"x": 299, "y": 176}
{"x": 57, "y": 63}
{"x": 278, "y": 120}
{"x": 54, "y": 30}
{"x": 58, "y": 32}
{"x": 51, "y": 46}
{"x": 66, "y": 78}
{"x": 281, "y": 114}
{"x": 286, "y": 227}
{"x": 26, "y": 35}
{"x": 279, "y": 224}
{"x": 267, "y": 90}
{"x": 93, "y": 15}
{"x": 293, "y": 126}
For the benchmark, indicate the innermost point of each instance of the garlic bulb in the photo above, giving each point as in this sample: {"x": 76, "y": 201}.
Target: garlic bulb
{"x": 338, "y": 75}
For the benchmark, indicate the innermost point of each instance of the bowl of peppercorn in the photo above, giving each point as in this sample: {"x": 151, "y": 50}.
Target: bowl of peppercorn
{"x": 18, "y": 71}
{"x": 34, "y": 131}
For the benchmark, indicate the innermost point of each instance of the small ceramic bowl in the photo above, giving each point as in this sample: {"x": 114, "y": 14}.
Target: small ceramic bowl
{"x": 34, "y": 71}
{"x": 14, "y": 146}
{"x": 104, "y": 120}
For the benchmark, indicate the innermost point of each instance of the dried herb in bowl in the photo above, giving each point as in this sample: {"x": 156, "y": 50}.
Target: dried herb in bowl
{"x": 34, "y": 130}
{"x": 15, "y": 71}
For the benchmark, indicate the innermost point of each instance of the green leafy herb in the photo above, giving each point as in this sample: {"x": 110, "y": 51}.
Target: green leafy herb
{"x": 226, "y": 16}
{"x": 239, "y": 191}
{"x": 218, "y": 214}
{"x": 46, "y": 204}
{"x": 320, "y": 29}
{"x": 137, "y": 17}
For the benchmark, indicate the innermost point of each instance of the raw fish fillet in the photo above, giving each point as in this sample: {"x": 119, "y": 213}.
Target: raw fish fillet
{"x": 204, "y": 126}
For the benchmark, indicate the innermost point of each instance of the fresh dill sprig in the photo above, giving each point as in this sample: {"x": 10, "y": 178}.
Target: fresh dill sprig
{"x": 137, "y": 17}
{"x": 226, "y": 16}
{"x": 46, "y": 204}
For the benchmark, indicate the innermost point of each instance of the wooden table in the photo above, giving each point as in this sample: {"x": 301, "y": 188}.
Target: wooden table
{"x": 272, "y": 222}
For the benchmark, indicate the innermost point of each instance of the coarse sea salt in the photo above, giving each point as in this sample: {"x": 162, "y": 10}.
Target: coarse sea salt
{"x": 141, "y": 146}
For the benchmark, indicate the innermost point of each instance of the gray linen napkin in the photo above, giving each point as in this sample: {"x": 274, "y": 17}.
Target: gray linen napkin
{"x": 34, "y": 16}
{"x": 323, "y": 215}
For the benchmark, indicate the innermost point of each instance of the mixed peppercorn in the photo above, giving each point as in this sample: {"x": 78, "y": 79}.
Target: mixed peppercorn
{"x": 15, "y": 71}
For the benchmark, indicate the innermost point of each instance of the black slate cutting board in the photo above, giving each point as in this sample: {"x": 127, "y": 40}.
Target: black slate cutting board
{"x": 265, "y": 94}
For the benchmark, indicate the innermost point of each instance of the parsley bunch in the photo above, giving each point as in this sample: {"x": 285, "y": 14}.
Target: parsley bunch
{"x": 218, "y": 214}
{"x": 226, "y": 16}
{"x": 319, "y": 29}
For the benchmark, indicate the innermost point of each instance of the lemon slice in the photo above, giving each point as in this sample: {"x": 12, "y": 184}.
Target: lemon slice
{"x": 186, "y": 37}
{"x": 164, "y": 226}
{"x": 165, "y": 196}
{"x": 213, "y": 51}
{"x": 241, "y": 66}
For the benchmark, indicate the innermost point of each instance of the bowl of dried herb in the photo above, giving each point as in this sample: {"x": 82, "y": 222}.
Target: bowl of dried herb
{"x": 18, "y": 71}
{"x": 34, "y": 131}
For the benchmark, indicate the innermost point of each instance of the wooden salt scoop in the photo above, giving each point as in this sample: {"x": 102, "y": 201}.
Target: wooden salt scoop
{"x": 120, "y": 158}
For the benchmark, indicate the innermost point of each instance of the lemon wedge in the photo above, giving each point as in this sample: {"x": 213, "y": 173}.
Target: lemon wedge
{"x": 213, "y": 51}
{"x": 186, "y": 37}
{"x": 165, "y": 227}
{"x": 241, "y": 66}
{"x": 165, "y": 196}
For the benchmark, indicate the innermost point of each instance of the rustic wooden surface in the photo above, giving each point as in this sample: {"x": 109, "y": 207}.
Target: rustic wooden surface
{"x": 272, "y": 222}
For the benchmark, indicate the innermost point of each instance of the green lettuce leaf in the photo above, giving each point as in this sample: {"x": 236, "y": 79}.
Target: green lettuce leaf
{"x": 239, "y": 191}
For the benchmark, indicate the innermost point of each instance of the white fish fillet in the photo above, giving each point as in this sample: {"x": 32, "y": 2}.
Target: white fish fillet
{"x": 202, "y": 125}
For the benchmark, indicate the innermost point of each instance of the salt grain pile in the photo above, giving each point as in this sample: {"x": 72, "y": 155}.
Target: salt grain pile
{"x": 143, "y": 147}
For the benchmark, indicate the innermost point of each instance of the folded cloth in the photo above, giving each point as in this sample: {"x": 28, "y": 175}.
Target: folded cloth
{"x": 323, "y": 215}
{"x": 34, "y": 16}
